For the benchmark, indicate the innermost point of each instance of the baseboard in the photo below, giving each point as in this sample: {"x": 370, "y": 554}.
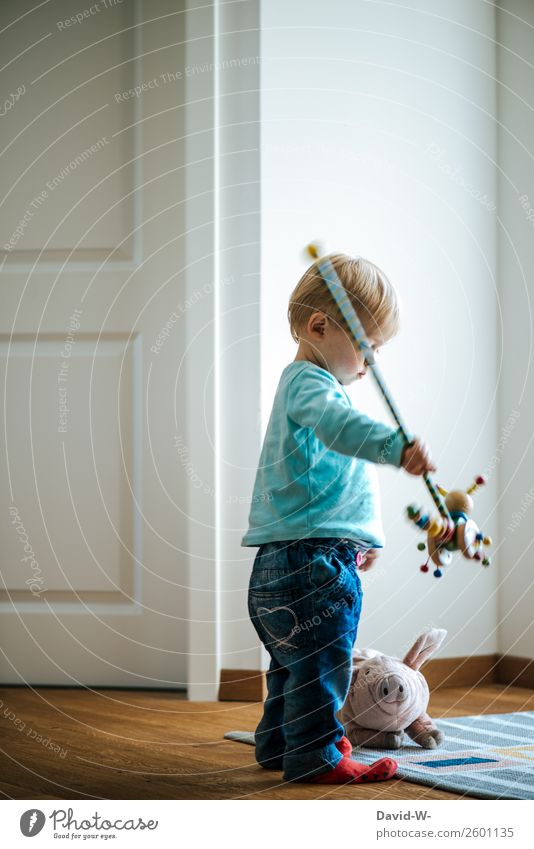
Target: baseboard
{"x": 242, "y": 685}
{"x": 248, "y": 685}
{"x": 515, "y": 671}
{"x": 461, "y": 671}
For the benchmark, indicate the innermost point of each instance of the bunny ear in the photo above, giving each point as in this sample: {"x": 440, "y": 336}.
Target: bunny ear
{"x": 424, "y": 646}
{"x": 359, "y": 655}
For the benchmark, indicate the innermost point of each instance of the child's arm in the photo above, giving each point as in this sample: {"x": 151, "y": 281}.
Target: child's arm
{"x": 316, "y": 402}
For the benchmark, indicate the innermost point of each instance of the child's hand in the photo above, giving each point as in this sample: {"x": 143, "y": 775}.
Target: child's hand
{"x": 416, "y": 458}
{"x": 369, "y": 559}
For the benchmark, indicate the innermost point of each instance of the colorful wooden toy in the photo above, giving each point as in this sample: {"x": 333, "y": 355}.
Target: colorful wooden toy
{"x": 466, "y": 538}
{"x": 452, "y": 529}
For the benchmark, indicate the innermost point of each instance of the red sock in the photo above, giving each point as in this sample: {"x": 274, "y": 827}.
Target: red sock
{"x": 344, "y": 746}
{"x": 351, "y": 772}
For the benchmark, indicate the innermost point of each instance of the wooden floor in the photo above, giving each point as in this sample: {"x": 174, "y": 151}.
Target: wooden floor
{"x": 114, "y": 744}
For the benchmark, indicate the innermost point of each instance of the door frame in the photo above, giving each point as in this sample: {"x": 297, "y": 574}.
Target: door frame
{"x": 223, "y": 239}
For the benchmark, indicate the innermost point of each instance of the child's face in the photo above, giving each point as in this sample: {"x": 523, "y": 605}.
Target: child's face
{"x": 335, "y": 350}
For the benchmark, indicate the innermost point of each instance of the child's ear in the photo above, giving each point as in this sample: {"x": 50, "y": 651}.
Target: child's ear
{"x": 424, "y": 646}
{"x": 317, "y": 323}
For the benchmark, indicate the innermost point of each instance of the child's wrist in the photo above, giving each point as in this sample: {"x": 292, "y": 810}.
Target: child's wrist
{"x": 398, "y": 449}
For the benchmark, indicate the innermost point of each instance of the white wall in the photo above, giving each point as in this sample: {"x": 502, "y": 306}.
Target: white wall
{"x": 515, "y": 31}
{"x": 378, "y": 137}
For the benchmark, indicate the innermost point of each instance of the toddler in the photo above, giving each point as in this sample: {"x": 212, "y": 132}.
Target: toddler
{"x": 315, "y": 517}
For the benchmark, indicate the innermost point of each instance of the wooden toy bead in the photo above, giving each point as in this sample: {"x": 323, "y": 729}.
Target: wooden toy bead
{"x": 421, "y": 546}
{"x": 477, "y": 555}
{"x": 435, "y": 527}
{"x": 451, "y": 530}
{"x": 447, "y": 532}
{"x": 486, "y": 561}
{"x": 424, "y": 568}
{"x": 480, "y": 480}
{"x": 438, "y": 573}
{"x": 488, "y": 541}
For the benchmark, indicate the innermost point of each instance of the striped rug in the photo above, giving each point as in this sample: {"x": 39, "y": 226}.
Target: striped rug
{"x": 489, "y": 756}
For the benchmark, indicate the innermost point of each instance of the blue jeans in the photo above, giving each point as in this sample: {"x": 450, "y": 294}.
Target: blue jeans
{"x": 304, "y": 601}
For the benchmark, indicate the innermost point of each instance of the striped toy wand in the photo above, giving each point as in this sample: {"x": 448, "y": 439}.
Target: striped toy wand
{"x": 338, "y": 292}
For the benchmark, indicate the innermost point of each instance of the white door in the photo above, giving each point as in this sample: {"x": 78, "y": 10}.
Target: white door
{"x": 94, "y": 464}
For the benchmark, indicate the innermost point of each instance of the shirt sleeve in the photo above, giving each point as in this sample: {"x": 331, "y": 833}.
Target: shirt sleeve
{"x": 316, "y": 402}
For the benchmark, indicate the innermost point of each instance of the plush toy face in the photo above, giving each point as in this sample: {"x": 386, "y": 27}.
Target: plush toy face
{"x": 387, "y": 695}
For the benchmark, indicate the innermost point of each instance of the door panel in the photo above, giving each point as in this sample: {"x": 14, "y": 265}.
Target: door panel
{"x": 93, "y": 491}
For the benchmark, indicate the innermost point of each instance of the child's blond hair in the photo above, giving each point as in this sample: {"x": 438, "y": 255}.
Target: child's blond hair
{"x": 370, "y": 292}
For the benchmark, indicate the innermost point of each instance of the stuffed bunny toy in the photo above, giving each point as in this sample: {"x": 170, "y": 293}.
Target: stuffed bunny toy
{"x": 388, "y": 697}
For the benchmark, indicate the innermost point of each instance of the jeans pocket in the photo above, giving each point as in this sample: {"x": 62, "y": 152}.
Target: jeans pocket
{"x": 275, "y": 621}
{"x": 279, "y": 599}
{"x": 327, "y": 570}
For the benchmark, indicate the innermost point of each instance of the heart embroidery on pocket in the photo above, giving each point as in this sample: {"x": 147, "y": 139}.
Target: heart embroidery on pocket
{"x": 280, "y": 641}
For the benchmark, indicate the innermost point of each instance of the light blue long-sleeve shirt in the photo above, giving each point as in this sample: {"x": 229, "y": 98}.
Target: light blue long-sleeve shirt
{"x": 316, "y": 476}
